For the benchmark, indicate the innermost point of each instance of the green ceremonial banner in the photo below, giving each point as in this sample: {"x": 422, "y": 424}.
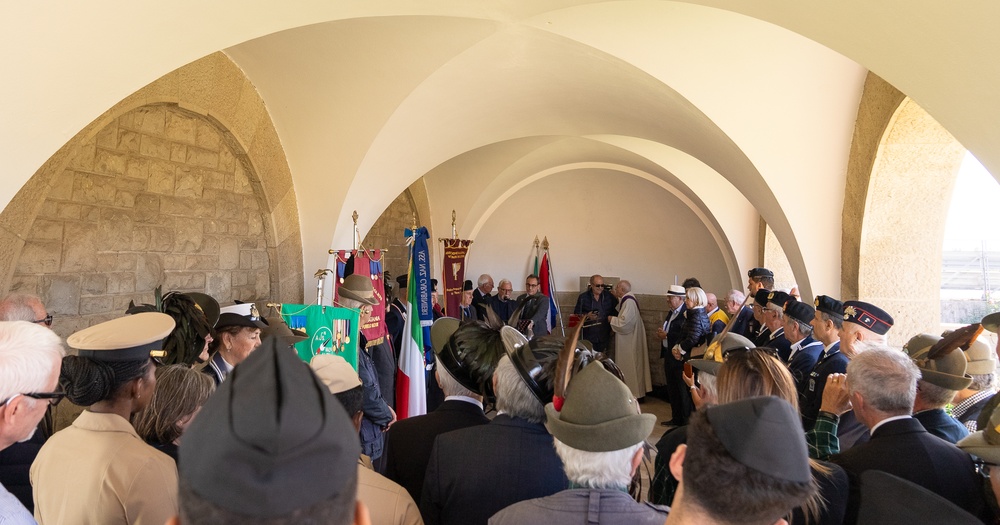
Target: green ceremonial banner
{"x": 331, "y": 330}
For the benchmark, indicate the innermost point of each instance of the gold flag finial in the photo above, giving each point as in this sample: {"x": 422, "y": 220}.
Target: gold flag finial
{"x": 454, "y": 228}
{"x": 414, "y": 222}
{"x": 536, "y": 242}
{"x": 545, "y": 243}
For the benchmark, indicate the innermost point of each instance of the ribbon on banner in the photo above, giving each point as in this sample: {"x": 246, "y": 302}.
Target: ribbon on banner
{"x": 422, "y": 279}
{"x": 368, "y": 264}
{"x": 455, "y": 251}
{"x": 330, "y": 330}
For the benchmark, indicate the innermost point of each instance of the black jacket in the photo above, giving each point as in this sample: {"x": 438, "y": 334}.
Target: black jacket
{"x": 408, "y": 442}
{"x": 903, "y": 448}
{"x": 694, "y": 331}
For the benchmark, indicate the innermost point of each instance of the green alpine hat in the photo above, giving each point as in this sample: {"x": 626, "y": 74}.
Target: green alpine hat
{"x": 599, "y": 413}
{"x": 945, "y": 371}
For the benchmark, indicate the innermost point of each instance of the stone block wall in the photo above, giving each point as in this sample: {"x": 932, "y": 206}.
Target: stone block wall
{"x": 387, "y": 233}
{"x": 157, "y": 197}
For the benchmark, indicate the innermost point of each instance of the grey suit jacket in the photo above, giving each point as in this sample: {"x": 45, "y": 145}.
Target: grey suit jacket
{"x": 575, "y": 506}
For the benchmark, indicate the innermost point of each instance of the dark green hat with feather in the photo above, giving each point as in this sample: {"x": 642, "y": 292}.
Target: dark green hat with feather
{"x": 193, "y": 323}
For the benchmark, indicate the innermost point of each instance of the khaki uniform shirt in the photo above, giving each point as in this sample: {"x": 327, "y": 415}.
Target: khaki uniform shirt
{"x": 387, "y": 501}
{"x": 99, "y": 472}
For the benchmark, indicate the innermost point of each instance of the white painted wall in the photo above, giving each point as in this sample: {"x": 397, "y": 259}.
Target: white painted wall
{"x": 599, "y": 222}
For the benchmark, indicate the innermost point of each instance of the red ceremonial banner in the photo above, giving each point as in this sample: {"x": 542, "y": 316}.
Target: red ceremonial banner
{"x": 369, "y": 264}
{"x": 453, "y": 274}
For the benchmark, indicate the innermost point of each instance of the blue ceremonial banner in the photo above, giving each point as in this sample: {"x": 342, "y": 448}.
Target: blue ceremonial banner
{"x": 422, "y": 279}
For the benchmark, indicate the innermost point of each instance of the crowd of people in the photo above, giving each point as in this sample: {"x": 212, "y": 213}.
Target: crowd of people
{"x": 781, "y": 409}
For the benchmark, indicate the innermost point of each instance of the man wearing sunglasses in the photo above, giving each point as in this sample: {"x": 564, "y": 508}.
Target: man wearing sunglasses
{"x": 30, "y": 358}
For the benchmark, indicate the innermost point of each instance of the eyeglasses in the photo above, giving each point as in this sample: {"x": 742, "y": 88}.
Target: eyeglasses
{"x": 47, "y": 320}
{"x": 529, "y": 285}
{"x": 53, "y": 397}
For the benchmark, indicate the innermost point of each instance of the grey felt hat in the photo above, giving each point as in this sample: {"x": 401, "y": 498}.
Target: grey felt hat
{"x": 985, "y": 443}
{"x": 599, "y": 413}
{"x": 359, "y": 288}
{"x": 271, "y": 439}
{"x": 945, "y": 371}
{"x": 765, "y": 434}
{"x": 981, "y": 358}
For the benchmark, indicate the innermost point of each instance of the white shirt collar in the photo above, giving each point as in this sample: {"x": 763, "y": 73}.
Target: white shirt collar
{"x": 886, "y": 420}
{"x": 467, "y": 399}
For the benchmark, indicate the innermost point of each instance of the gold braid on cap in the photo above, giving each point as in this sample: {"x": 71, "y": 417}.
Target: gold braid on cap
{"x": 961, "y": 338}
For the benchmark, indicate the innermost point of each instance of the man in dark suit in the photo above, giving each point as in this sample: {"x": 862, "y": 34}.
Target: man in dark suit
{"x": 537, "y": 310}
{"x": 601, "y": 303}
{"x": 468, "y": 312}
{"x": 805, "y": 351}
{"x": 395, "y": 316}
{"x": 774, "y": 319}
{"x": 760, "y": 332}
{"x": 475, "y": 472}
{"x": 826, "y": 324}
{"x": 881, "y": 386}
{"x": 757, "y": 279}
{"x": 481, "y": 296}
{"x": 670, "y": 335}
{"x": 409, "y": 442}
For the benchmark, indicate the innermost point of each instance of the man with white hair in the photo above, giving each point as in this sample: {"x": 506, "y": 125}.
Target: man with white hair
{"x": 24, "y": 307}
{"x": 717, "y": 319}
{"x": 631, "y": 350}
{"x": 774, "y": 319}
{"x": 30, "y": 359}
{"x": 481, "y": 296}
{"x": 598, "y": 434}
{"x": 15, "y": 460}
{"x": 881, "y": 384}
{"x": 475, "y": 472}
{"x": 863, "y": 322}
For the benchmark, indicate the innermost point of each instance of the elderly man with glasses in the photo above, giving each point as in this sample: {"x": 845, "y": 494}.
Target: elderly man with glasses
{"x": 536, "y": 309}
{"x": 24, "y": 307}
{"x": 501, "y": 303}
{"x": 30, "y": 359}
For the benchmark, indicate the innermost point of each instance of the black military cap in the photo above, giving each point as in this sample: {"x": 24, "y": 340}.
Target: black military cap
{"x": 272, "y": 439}
{"x": 761, "y": 297}
{"x": 867, "y": 315}
{"x": 434, "y": 285}
{"x": 799, "y": 311}
{"x": 759, "y": 272}
{"x": 829, "y": 305}
{"x": 765, "y": 434}
{"x": 467, "y": 286}
{"x": 778, "y": 299}
{"x": 402, "y": 280}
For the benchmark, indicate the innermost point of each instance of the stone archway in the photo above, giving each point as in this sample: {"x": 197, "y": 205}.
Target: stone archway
{"x": 184, "y": 184}
{"x": 894, "y": 214}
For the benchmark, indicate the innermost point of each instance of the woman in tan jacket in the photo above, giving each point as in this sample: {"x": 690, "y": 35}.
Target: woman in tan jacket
{"x": 98, "y": 470}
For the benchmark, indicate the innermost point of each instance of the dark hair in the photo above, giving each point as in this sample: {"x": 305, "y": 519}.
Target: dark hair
{"x": 233, "y": 330}
{"x": 765, "y": 280}
{"x": 352, "y": 400}
{"x": 691, "y": 282}
{"x": 749, "y": 496}
{"x": 87, "y": 381}
{"x": 335, "y": 510}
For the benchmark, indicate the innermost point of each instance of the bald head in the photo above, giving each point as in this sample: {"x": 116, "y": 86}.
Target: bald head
{"x": 713, "y": 301}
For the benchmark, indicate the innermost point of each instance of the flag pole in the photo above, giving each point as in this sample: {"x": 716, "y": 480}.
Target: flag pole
{"x": 552, "y": 285}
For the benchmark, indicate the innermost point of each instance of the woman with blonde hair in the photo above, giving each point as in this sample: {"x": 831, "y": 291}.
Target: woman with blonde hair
{"x": 754, "y": 373}
{"x": 180, "y": 393}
